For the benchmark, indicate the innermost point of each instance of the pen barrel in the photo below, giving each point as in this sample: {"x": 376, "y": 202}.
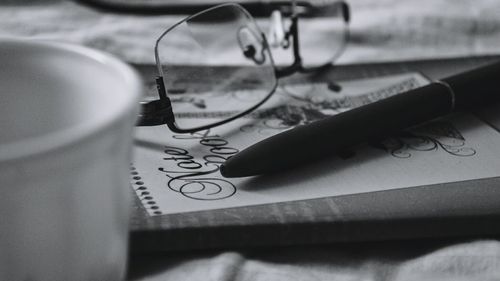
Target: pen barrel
{"x": 331, "y": 135}
{"x": 476, "y": 87}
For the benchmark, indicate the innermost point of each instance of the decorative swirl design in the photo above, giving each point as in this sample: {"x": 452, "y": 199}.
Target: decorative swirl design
{"x": 429, "y": 138}
{"x": 284, "y": 117}
{"x": 199, "y": 188}
{"x": 266, "y": 127}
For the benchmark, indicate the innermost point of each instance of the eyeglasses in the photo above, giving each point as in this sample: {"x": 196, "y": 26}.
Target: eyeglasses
{"x": 228, "y": 67}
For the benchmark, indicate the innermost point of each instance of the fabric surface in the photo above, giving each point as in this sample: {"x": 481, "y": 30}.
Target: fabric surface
{"x": 381, "y": 30}
{"x": 395, "y": 261}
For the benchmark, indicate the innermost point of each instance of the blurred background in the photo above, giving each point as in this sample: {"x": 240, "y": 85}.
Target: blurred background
{"x": 381, "y": 30}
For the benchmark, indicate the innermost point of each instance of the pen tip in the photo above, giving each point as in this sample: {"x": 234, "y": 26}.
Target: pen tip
{"x": 222, "y": 170}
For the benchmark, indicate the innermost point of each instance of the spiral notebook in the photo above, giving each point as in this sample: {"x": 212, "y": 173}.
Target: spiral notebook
{"x": 386, "y": 190}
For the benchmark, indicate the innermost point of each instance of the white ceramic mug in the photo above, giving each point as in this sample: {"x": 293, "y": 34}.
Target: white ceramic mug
{"x": 66, "y": 123}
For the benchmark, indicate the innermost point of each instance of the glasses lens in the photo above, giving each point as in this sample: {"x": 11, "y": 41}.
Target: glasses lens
{"x": 224, "y": 67}
{"x": 323, "y": 32}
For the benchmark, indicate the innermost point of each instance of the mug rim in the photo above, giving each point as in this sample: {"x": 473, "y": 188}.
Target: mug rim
{"x": 72, "y": 135}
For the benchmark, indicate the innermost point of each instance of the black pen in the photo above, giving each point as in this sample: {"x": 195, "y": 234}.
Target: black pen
{"x": 331, "y": 135}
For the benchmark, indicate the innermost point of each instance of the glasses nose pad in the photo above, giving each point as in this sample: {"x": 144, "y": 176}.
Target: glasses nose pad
{"x": 276, "y": 33}
{"x": 249, "y": 51}
{"x": 250, "y": 45}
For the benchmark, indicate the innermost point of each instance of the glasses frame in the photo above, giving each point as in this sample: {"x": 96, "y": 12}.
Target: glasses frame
{"x": 159, "y": 112}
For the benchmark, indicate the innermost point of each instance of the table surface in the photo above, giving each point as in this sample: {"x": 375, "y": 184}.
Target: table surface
{"x": 382, "y": 30}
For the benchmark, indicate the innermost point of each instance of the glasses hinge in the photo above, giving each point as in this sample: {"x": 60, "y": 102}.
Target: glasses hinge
{"x": 157, "y": 112}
